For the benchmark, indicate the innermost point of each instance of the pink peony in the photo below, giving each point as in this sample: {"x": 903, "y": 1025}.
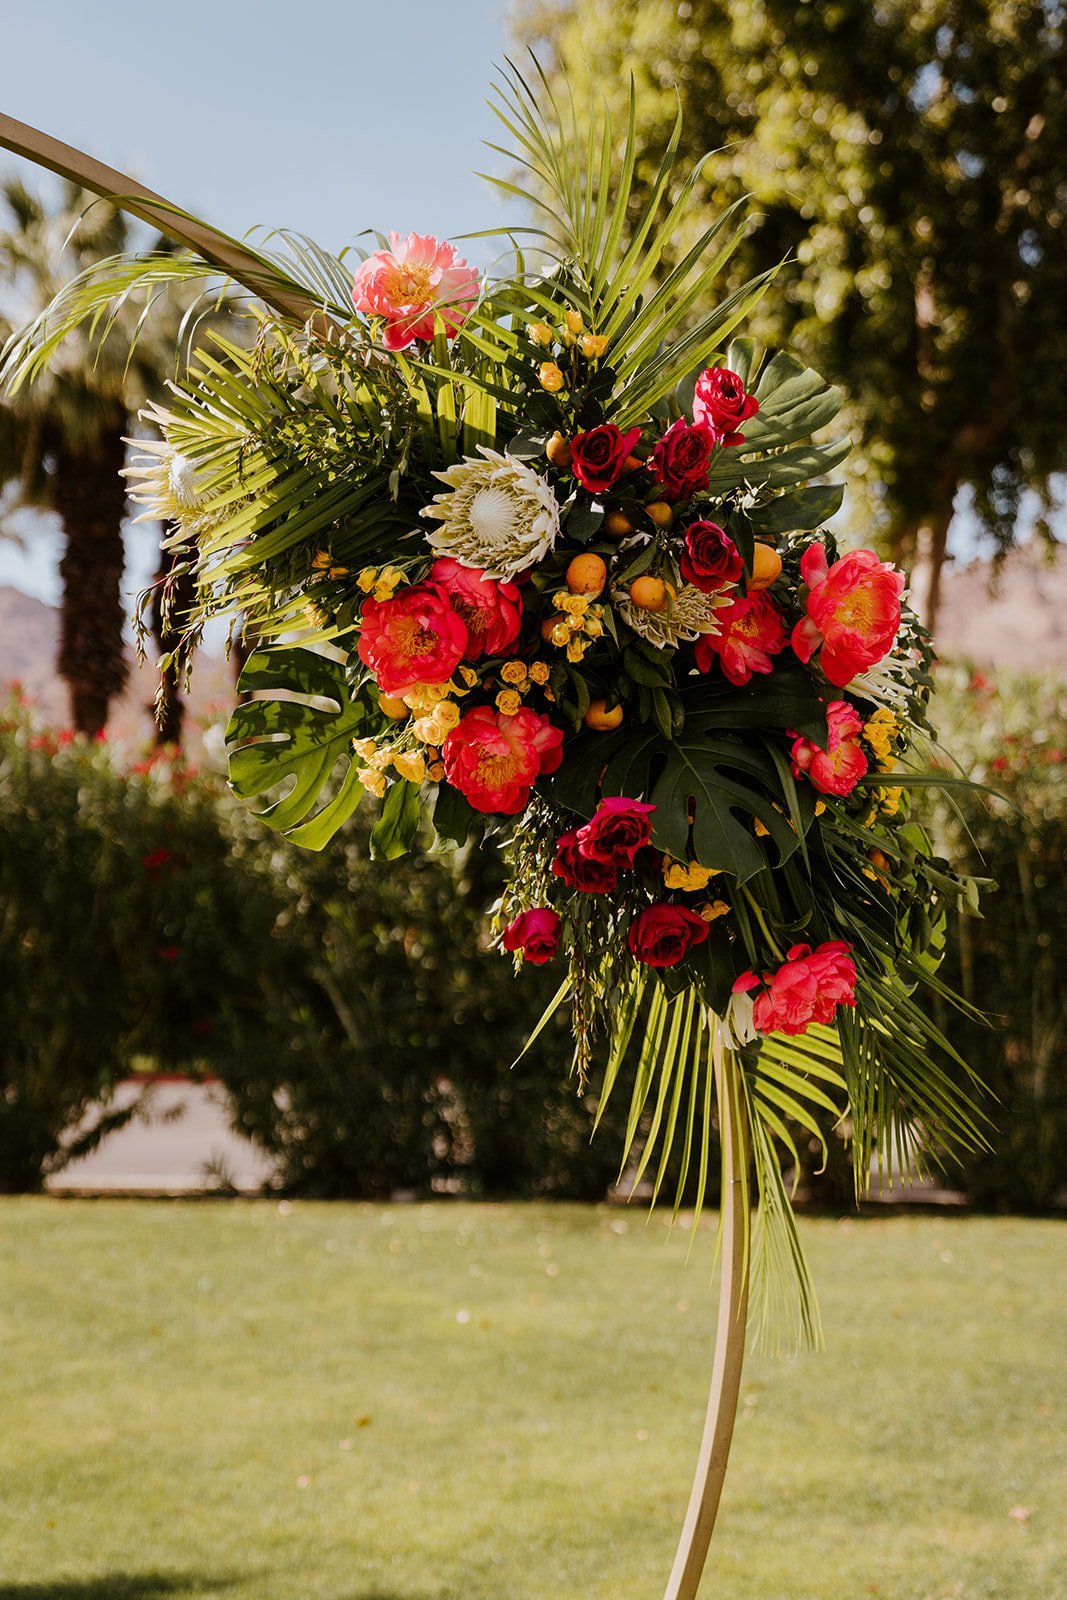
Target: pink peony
{"x": 494, "y": 759}
{"x": 839, "y": 767}
{"x": 492, "y": 611}
{"x": 617, "y": 831}
{"x": 853, "y": 612}
{"x": 535, "y": 933}
{"x": 580, "y": 871}
{"x": 416, "y": 637}
{"x": 721, "y": 404}
{"x": 750, "y": 633}
{"x": 807, "y": 988}
{"x": 408, "y": 283}
{"x": 660, "y": 935}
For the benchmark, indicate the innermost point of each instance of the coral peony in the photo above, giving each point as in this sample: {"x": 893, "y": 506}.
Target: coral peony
{"x": 680, "y": 460}
{"x": 710, "y": 559}
{"x": 839, "y": 767}
{"x": 583, "y": 872}
{"x": 494, "y": 758}
{"x": 535, "y": 933}
{"x": 853, "y": 612}
{"x": 807, "y": 988}
{"x": 617, "y": 831}
{"x": 407, "y": 284}
{"x": 599, "y": 456}
{"x": 660, "y": 935}
{"x": 721, "y": 404}
{"x": 492, "y": 611}
{"x": 750, "y": 633}
{"x": 416, "y": 637}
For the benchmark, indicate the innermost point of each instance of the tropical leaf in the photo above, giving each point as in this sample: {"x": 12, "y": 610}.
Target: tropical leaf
{"x": 301, "y": 742}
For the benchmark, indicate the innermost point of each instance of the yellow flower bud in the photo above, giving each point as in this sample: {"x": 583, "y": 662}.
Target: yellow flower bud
{"x": 573, "y": 321}
{"x": 321, "y": 560}
{"x": 688, "y": 875}
{"x": 539, "y": 672}
{"x": 364, "y": 748}
{"x": 762, "y": 832}
{"x": 592, "y": 345}
{"x": 469, "y": 676}
{"x": 381, "y": 760}
{"x": 411, "y": 766}
{"x": 594, "y": 627}
{"x": 514, "y": 672}
{"x": 508, "y": 702}
{"x": 560, "y": 634}
{"x": 447, "y": 714}
{"x": 367, "y": 579}
{"x": 576, "y": 649}
{"x": 436, "y": 771}
{"x": 712, "y": 909}
{"x": 540, "y": 333}
{"x": 338, "y": 572}
{"x": 550, "y": 377}
{"x": 373, "y": 782}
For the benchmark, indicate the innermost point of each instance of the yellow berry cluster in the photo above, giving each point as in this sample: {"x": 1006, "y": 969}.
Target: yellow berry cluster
{"x": 580, "y": 624}
{"x": 381, "y": 583}
{"x": 880, "y": 731}
{"x": 571, "y": 333}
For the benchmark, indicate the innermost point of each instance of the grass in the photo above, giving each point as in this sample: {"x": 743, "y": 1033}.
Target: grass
{"x": 251, "y": 1402}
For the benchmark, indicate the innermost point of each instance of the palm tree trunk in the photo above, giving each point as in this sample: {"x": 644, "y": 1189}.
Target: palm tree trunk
{"x": 90, "y": 498}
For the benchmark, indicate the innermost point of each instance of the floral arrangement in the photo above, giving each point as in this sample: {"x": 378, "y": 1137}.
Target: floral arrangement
{"x": 541, "y": 560}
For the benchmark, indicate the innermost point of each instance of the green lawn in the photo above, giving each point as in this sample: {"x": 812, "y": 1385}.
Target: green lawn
{"x": 253, "y": 1402}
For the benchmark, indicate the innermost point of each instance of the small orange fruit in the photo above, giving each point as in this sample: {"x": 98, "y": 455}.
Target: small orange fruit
{"x": 599, "y": 717}
{"x": 766, "y": 565}
{"x": 649, "y": 594}
{"x": 558, "y": 450}
{"x": 661, "y": 513}
{"x": 546, "y": 628}
{"x": 878, "y": 859}
{"x": 632, "y": 463}
{"x": 587, "y": 574}
{"x": 617, "y": 524}
{"x": 393, "y": 707}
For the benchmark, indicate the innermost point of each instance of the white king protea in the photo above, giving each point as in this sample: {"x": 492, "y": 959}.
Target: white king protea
{"x": 497, "y": 515}
{"x": 160, "y": 478}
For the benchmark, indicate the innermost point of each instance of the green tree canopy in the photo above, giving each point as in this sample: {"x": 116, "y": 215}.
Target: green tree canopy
{"x": 908, "y": 163}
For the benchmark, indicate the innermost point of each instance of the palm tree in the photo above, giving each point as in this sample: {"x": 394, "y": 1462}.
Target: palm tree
{"x": 62, "y": 437}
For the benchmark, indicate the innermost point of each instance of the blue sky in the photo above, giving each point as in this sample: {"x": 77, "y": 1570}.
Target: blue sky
{"x": 323, "y": 117}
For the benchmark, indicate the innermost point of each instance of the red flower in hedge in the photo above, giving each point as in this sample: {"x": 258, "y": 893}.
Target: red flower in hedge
{"x": 659, "y": 936}
{"x": 721, "y": 404}
{"x": 680, "y": 460}
{"x": 853, "y": 612}
{"x": 839, "y": 767}
{"x": 491, "y": 610}
{"x": 416, "y": 637}
{"x": 494, "y": 759}
{"x": 618, "y": 830}
{"x": 580, "y": 871}
{"x": 751, "y": 631}
{"x": 807, "y": 988}
{"x": 535, "y": 933}
{"x": 599, "y": 456}
{"x": 710, "y": 559}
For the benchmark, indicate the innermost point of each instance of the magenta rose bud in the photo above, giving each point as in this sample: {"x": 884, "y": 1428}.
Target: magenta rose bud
{"x": 680, "y": 460}
{"x": 659, "y": 936}
{"x": 535, "y": 933}
{"x": 710, "y": 559}
{"x": 599, "y": 456}
{"x": 721, "y": 404}
{"x": 617, "y": 831}
{"x": 583, "y": 872}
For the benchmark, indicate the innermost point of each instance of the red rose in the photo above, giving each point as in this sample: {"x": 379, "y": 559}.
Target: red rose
{"x": 721, "y": 404}
{"x": 535, "y": 933}
{"x": 598, "y": 457}
{"x": 415, "y": 637}
{"x": 582, "y": 872}
{"x": 680, "y": 460}
{"x": 710, "y": 560}
{"x": 618, "y": 830}
{"x": 494, "y": 759}
{"x": 491, "y": 610}
{"x": 660, "y": 935}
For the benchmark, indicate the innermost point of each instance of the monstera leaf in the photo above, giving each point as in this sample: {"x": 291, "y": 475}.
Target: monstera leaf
{"x": 709, "y": 775}
{"x": 297, "y": 741}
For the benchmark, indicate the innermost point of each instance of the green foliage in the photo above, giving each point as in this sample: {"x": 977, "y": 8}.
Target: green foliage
{"x": 908, "y": 165}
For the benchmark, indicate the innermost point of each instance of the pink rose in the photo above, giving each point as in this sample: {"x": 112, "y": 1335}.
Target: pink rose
{"x": 710, "y": 559}
{"x": 853, "y": 612}
{"x": 494, "y": 759}
{"x": 660, "y": 936}
{"x": 721, "y": 404}
{"x": 617, "y": 831}
{"x": 583, "y": 872}
{"x": 807, "y": 988}
{"x": 751, "y": 631}
{"x": 416, "y": 637}
{"x": 408, "y": 283}
{"x": 680, "y": 460}
{"x": 598, "y": 458}
{"x": 492, "y": 611}
{"x": 839, "y": 767}
{"x": 535, "y": 933}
